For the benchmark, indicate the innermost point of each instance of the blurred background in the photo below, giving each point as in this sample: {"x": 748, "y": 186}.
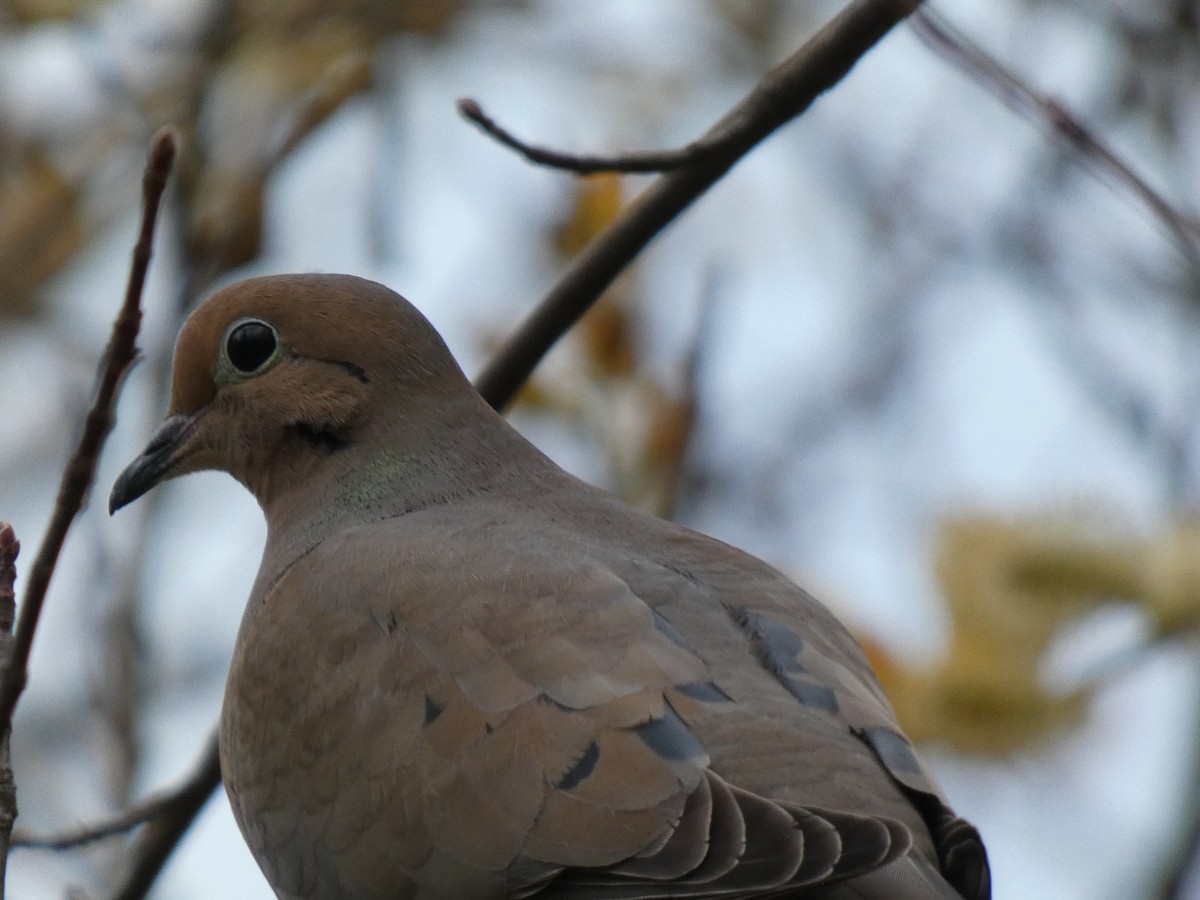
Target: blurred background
{"x": 936, "y": 365}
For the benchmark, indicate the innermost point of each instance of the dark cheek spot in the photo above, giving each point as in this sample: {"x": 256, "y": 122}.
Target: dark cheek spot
{"x": 355, "y": 371}
{"x": 321, "y": 438}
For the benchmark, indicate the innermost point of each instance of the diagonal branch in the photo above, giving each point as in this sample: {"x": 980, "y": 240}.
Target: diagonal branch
{"x": 174, "y": 815}
{"x": 81, "y": 468}
{"x": 153, "y": 807}
{"x": 783, "y": 93}
{"x": 9, "y": 548}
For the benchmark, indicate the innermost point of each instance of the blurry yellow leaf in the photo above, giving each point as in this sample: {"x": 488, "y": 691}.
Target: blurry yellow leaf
{"x": 1171, "y": 577}
{"x": 597, "y": 201}
{"x": 1026, "y": 578}
{"x": 978, "y": 699}
{"x": 1011, "y": 588}
{"x": 606, "y": 334}
{"x": 670, "y": 431}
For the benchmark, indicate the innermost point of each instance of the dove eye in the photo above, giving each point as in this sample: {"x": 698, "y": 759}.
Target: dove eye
{"x": 250, "y": 345}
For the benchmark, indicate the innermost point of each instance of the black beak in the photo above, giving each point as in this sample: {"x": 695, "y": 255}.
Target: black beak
{"x": 153, "y": 465}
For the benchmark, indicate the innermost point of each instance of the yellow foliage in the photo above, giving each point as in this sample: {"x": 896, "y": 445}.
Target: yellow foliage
{"x": 1012, "y": 588}
{"x": 597, "y": 201}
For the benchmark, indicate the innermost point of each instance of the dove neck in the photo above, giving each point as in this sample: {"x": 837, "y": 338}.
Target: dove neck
{"x": 412, "y": 460}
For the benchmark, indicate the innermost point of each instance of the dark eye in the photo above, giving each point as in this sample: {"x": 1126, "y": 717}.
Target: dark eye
{"x": 250, "y": 345}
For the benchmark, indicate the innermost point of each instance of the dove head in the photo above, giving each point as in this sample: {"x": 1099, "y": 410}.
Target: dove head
{"x": 279, "y": 379}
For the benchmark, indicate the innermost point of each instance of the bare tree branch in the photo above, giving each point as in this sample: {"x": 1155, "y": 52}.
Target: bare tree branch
{"x": 9, "y": 548}
{"x": 1177, "y": 882}
{"x": 991, "y": 74}
{"x": 81, "y": 468}
{"x": 581, "y": 164}
{"x": 173, "y": 816}
{"x": 154, "y": 806}
{"x": 782, "y": 94}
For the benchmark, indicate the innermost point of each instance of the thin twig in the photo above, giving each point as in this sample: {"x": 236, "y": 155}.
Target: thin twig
{"x": 583, "y": 164}
{"x": 1182, "y": 865}
{"x": 81, "y": 468}
{"x": 991, "y": 74}
{"x": 782, "y": 94}
{"x": 348, "y": 75}
{"x": 213, "y": 247}
{"x": 9, "y": 548}
{"x": 164, "y": 830}
{"x": 121, "y": 823}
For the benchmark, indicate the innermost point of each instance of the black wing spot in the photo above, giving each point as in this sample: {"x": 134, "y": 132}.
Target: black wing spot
{"x": 669, "y": 737}
{"x": 774, "y": 642}
{"x": 705, "y": 691}
{"x": 778, "y": 650}
{"x": 582, "y": 768}
{"x": 387, "y": 623}
{"x": 669, "y": 631}
{"x": 433, "y": 709}
{"x": 893, "y": 749}
{"x": 810, "y": 693}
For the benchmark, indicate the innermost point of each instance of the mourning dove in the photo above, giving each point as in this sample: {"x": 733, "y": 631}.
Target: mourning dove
{"x": 463, "y": 673}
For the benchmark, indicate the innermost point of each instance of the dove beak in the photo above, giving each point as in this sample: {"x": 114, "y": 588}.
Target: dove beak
{"x": 156, "y": 462}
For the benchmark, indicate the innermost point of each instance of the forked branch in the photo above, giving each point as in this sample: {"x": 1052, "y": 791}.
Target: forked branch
{"x": 780, "y": 96}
